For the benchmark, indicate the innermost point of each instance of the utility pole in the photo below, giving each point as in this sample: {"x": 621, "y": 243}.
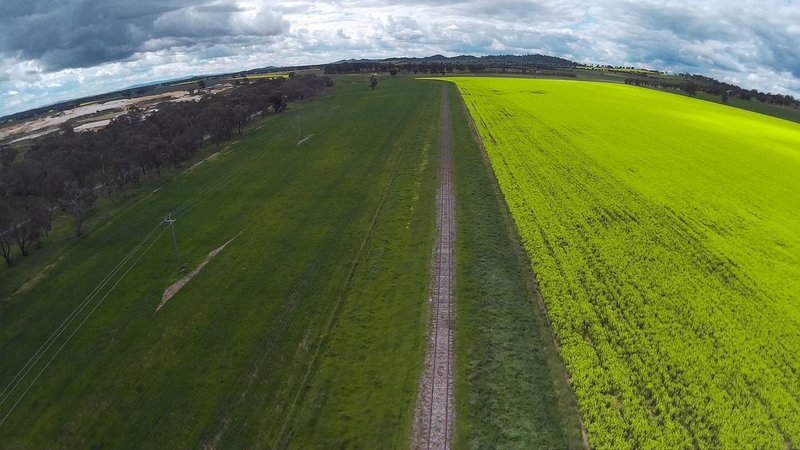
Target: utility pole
{"x": 169, "y": 220}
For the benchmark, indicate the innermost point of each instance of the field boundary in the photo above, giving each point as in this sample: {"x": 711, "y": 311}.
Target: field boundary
{"x": 531, "y": 280}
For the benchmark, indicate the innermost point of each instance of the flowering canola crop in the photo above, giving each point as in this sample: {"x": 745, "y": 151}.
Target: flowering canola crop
{"x": 664, "y": 232}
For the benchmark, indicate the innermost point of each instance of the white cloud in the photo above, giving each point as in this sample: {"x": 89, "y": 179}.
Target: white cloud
{"x": 253, "y": 19}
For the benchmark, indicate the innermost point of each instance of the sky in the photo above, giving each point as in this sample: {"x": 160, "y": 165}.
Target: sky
{"x": 54, "y": 50}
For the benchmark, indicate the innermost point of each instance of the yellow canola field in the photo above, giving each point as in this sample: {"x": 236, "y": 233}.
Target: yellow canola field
{"x": 664, "y": 232}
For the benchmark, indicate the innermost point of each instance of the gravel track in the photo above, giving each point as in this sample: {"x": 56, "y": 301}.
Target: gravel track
{"x": 435, "y": 410}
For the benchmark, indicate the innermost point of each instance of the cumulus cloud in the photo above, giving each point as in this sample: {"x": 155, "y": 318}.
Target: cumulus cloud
{"x": 92, "y": 45}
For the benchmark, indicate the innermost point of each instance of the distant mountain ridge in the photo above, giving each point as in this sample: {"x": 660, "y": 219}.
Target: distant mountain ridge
{"x": 502, "y": 60}
{"x": 490, "y": 60}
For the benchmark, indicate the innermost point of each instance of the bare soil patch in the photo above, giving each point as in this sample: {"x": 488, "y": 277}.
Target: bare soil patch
{"x": 178, "y": 285}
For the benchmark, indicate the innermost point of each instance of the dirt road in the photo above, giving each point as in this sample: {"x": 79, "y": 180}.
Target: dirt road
{"x": 435, "y": 409}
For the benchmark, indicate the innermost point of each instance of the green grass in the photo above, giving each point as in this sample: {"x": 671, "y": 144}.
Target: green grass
{"x": 364, "y": 392}
{"x": 511, "y": 386}
{"x": 768, "y": 109}
{"x": 223, "y": 362}
{"x": 663, "y": 233}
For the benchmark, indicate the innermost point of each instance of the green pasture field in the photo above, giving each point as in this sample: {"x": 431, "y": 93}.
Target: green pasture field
{"x": 662, "y": 231}
{"x": 364, "y": 392}
{"x": 331, "y": 241}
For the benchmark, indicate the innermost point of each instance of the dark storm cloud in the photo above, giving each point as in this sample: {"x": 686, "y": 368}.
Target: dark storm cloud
{"x": 77, "y": 33}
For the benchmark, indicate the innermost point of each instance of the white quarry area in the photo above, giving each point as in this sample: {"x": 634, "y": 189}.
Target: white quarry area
{"x": 92, "y": 116}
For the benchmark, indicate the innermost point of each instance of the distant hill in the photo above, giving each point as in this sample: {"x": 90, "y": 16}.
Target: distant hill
{"x": 542, "y": 64}
{"x": 543, "y": 61}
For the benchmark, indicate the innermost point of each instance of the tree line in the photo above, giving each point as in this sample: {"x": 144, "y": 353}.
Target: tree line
{"x": 691, "y": 84}
{"x": 367, "y": 67}
{"x": 68, "y": 170}
{"x": 434, "y": 68}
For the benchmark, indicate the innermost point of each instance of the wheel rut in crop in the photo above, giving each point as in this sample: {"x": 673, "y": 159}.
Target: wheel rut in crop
{"x": 435, "y": 409}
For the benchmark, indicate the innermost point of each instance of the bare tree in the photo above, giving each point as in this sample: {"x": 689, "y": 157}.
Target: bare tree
{"x": 6, "y": 222}
{"x": 77, "y": 201}
{"x": 30, "y": 221}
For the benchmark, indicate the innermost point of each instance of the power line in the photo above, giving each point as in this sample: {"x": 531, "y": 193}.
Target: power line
{"x": 299, "y": 136}
{"x": 80, "y": 325}
{"x": 66, "y": 322}
{"x": 171, "y": 224}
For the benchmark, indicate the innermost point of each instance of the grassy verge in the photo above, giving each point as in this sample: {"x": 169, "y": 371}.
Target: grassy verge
{"x": 511, "y": 385}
